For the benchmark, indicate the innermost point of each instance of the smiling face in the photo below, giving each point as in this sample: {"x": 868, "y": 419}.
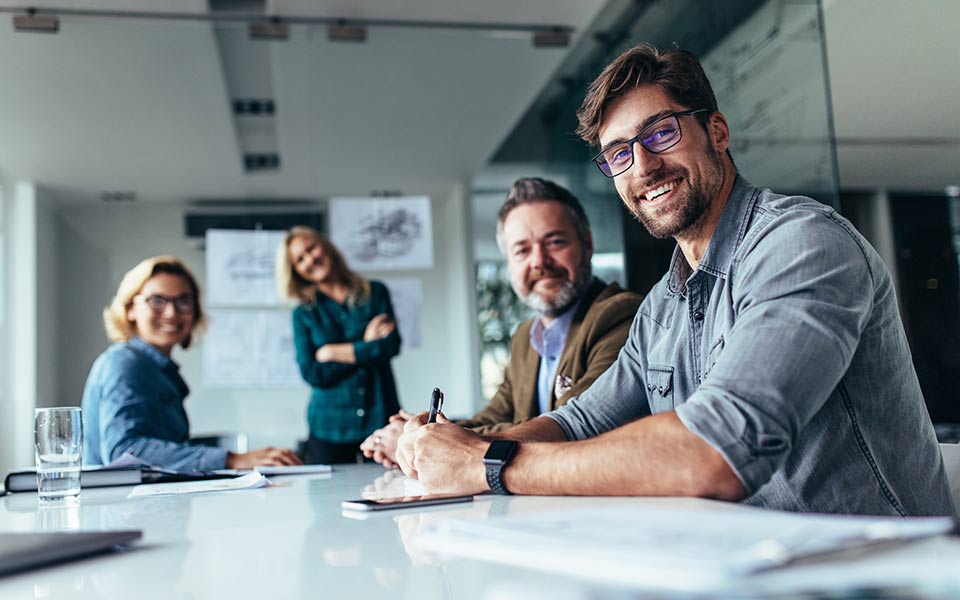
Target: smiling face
{"x": 309, "y": 260}
{"x": 670, "y": 193}
{"x": 164, "y": 328}
{"x": 549, "y": 265}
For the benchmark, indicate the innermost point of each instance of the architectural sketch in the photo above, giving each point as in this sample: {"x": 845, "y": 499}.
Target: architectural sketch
{"x": 250, "y": 349}
{"x": 240, "y": 267}
{"x": 383, "y": 233}
{"x": 406, "y": 294}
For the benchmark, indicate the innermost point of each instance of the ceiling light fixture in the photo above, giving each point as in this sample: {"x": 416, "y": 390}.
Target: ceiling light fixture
{"x": 272, "y": 30}
{"x": 555, "y": 38}
{"x": 276, "y": 27}
{"x": 34, "y": 23}
{"x": 343, "y": 32}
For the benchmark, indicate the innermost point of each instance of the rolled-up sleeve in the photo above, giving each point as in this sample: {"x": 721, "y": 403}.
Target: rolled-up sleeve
{"x": 803, "y": 289}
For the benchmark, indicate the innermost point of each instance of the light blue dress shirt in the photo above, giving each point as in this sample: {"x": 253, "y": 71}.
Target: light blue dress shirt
{"x": 548, "y": 341}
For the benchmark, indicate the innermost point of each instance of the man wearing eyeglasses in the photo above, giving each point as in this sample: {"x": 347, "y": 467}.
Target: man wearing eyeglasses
{"x": 769, "y": 365}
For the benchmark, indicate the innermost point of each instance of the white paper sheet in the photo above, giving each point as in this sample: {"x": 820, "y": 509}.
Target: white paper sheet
{"x": 406, "y": 294}
{"x": 292, "y": 469}
{"x": 240, "y": 267}
{"x": 247, "y": 482}
{"x": 662, "y": 547}
{"x": 250, "y": 349}
{"x": 383, "y": 233}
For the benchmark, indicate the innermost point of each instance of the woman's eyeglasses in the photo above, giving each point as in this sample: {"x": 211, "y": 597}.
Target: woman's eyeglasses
{"x": 183, "y": 304}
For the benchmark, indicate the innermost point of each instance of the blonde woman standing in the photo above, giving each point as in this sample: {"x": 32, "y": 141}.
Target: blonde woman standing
{"x": 133, "y": 398}
{"x": 345, "y": 335}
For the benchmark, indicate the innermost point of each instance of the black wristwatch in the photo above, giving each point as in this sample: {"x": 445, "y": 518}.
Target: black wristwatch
{"x": 498, "y": 455}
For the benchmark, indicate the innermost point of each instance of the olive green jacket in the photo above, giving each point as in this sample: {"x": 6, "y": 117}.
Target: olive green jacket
{"x": 596, "y": 335}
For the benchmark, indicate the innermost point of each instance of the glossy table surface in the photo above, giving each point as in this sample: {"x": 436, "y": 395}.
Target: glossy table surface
{"x": 292, "y": 540}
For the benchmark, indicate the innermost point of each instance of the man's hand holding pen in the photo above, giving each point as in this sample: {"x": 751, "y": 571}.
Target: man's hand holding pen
{"x": 435, "y": 453}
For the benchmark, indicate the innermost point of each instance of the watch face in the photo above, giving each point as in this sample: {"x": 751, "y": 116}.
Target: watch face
{"x": 500, "y": 451}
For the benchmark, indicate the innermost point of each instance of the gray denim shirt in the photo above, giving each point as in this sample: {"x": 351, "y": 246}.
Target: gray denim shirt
{"x": 784, "y": 351}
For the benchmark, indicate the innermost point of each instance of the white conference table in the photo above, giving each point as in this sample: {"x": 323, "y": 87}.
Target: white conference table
{"x": 292, "y": 540}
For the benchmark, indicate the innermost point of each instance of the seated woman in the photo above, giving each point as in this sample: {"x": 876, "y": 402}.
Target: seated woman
{"x": 345, "y": 336}
{"x": 133, "y": 398}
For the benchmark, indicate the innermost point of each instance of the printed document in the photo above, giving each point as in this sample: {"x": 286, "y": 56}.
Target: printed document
{"x": 677, "y": 548}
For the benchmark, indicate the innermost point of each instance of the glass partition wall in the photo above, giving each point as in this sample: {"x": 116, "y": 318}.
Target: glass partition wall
{"x": 766, "y": 62}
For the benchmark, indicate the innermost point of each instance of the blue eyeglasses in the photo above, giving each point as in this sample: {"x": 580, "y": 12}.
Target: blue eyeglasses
{"x": 658, "y": 136}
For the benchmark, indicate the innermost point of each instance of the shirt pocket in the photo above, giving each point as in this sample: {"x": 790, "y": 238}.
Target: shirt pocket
{"x": 715, "y": 349}
{"x": 660, "y": 388}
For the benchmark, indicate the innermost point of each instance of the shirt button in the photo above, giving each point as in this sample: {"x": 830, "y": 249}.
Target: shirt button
{"x": 361, "y": 391}
{"x": 360, "y": 412}
{"x": 698, "y": 316}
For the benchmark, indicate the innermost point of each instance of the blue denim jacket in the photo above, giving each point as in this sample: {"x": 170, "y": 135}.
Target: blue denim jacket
{"x": 784, "y": 351}
{"x": 133, "y": 403}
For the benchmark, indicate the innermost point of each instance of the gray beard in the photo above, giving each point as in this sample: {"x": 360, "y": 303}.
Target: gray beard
{"x": 565, "y": 297}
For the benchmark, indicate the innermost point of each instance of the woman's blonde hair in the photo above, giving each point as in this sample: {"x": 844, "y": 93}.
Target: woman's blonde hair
{"x": 291, "y": 285}
{"x": 118, "y": 326}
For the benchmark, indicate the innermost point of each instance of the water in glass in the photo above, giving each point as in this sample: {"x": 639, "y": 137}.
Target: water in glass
{"x": 59, "y": 438}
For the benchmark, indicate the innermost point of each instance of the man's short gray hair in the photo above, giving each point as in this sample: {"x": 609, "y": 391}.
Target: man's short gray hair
{"x": 535, "y": 189}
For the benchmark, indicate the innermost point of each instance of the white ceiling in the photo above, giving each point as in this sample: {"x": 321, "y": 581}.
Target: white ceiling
{"x": 144, "y": 105}
{"x": 895, "y": 78}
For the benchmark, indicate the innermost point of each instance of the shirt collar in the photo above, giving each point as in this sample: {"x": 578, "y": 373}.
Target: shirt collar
{"x": 155, "y": 356}
{"x": 725, "y": 240}
{"x": 557, "y": 328}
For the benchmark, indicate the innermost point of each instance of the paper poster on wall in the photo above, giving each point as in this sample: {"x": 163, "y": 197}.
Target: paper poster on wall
{"x": 406, "y": 294}
{"x": 240, "y": 267}
{"x": 383, "y": 233}
{"x": 250, "y": 349}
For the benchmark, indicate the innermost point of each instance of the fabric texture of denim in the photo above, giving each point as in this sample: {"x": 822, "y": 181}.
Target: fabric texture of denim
{"x": 348, "y": 401}
{"x": 133, "y": 403}
{"x": 784, "y": 350}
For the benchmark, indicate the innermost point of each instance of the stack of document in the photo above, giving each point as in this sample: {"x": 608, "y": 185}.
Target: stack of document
{"x": 688, "y": 549}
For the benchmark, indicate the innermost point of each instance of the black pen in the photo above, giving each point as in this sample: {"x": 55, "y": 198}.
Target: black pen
{"x": 436, "y": 403}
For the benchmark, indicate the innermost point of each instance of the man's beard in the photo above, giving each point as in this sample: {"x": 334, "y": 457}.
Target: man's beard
{"x": 684, "y": 218}
{"x": 568, "y": 294}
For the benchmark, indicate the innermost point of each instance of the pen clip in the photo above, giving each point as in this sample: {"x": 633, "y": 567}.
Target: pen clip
{"x": 436, "y": 404}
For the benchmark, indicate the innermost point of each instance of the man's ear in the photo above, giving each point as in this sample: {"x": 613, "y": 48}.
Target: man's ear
{"x": 588, "y": 244}
{"x": 719, "y": 132}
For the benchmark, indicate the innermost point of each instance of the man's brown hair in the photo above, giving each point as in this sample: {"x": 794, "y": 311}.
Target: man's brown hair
{"x": 677, "y": 72}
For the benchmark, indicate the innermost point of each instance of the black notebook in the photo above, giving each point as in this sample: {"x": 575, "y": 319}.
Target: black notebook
{"x": 93, "y": 477}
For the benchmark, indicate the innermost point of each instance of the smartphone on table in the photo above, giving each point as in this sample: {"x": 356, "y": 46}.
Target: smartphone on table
{"x": 403, "y": 502}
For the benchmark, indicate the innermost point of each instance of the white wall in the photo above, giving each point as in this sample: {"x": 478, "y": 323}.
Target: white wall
{"x": 98, "y": 243}
{"x": 20, "y": 385}
{"x": 49, "y": 295}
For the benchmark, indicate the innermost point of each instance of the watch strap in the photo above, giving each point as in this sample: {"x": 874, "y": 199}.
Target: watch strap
{"x": 494, "y": 468}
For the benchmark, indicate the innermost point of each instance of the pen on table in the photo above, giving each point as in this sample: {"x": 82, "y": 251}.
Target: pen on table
{"x": 436, "y": 403}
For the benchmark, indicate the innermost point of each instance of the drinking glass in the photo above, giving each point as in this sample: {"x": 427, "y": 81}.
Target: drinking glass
{"x": 58, "y": 435}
